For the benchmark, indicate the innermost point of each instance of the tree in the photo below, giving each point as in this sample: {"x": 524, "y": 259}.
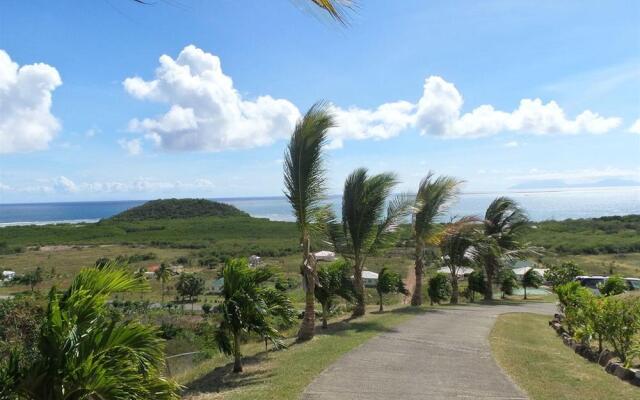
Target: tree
{"x": 508, "y": 281}
{"x": 438, "y": 288}
{"x": 249, "y": 307}
{"x": 190, "y": 285}
{"x": 389, "y": 282}
{"x": 85, "y": 354}
{"x": 458, "y": 251}
{"x": 622, "y": 318}
{"x": 504, "y": 220}
{"x": 476, "y": 283}
{"x": 334, "y": 282}
{"x": 563, "y": 273}
{"x": 163, "y": 274}
{"x": 305, "y": 184}
{"x": 370, "y": 218}
{"x": 613, "y": 285}
{"x": 431, "y": 202}
{"x": 33, "y": 278}
{"x": 531, "y": 278}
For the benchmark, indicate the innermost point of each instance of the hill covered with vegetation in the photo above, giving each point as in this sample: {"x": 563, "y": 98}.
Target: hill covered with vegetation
{"x": 178, "y": 208}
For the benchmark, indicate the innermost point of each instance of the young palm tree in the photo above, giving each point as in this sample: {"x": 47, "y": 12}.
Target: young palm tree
{"x": 504, "y": 220}
{"x": 85, "y": 354}
{"x": 433, "y": 197}
{"x": 458, "y": 248}
{"x": 249, "y": 307}
{"x": 369, "y": 221}
{"x": 304, "y": 180}
{"x": 389, "y": 282}
{"x": 163, "y": 274}
{"x": 334, "y": 282}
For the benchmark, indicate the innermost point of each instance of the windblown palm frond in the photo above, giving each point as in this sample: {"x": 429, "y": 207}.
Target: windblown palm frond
{"x": 432, "y": 202}
{"x": 335, "y": 8}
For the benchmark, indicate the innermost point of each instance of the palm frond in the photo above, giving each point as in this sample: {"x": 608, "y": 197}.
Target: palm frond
{"x": 432, "y": 201}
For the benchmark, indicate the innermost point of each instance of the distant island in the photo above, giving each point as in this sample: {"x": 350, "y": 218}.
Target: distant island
{"x": 178, "y": 208}
{"x": 560, "y": 184}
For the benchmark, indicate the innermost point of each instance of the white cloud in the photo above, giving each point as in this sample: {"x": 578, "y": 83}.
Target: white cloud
{"x": 91, "y": 132}
{"x": 512, "y": 143}
{"x": 580, "y": 175}
{"x": 635, "y": 127}
{"x": 133, "y": 147}
{"x": 206, "y": 111}
{"x": 64, "y": 184}
{"x": 26, "y": 122}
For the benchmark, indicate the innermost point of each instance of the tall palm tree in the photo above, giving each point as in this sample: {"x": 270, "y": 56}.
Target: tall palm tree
{"x": 370, "y": 218}
{"x": 305, "y": 184}
{"x": 458, "y": 248}
{"x": 431, "y": 202}
{"x": 249, "y": 307}
{"x": 163, "y": 274}
{"x": 85, "y": 354}
{"x": 503, "y": 222}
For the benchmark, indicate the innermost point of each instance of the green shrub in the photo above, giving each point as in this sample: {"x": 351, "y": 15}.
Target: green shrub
{"x": 439, "y": 288}
{"x": 561, "y": 274}
{"x": 573, "y": 300}
{"x": 508, "y": 281}
{"x": 622, "y": 318}
{"x": 614, "y": 285}
{"x": 476, "y": 283}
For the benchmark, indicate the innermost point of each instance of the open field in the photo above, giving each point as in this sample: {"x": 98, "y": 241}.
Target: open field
{"x": 537, "y": 360}
{"x": 627, "y": 264}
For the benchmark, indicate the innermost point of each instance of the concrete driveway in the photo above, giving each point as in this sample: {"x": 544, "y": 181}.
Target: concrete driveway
{"x": 443, "y": 354}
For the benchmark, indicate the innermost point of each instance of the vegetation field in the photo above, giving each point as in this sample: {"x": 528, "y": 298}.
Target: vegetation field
{"x": 537, "y": 360}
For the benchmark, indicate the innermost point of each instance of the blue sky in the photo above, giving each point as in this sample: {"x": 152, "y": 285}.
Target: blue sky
{"x": 90, "y": 112}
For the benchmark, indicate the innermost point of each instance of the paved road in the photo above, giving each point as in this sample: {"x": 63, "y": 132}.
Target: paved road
{"x": 443, "y": 354}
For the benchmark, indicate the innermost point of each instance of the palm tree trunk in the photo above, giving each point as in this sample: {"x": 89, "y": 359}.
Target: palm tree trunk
{"x": 416, "y": 298}
{"x": 162, "y": 294}
{"x": 380, "y": 294}
{"x": 308, "y": 269}
{"x": 324, "y": 315}
{"x": 358, "y": 285}
{"x": 237, "y": 356}
{"x": 525, "y": 292}
{"x": 488, "y": 291}
{"x": 455, "y": 293}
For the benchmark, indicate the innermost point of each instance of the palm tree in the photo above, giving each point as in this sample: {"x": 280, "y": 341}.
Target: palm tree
{"x": 458, "y": 247}
{"x": 334, "y": 282}
{"x": 533, "y": 279}
{"x": 249, "y": 307}
{"x": 163, "y": 274}
{"x": 369, "y": 221}
{"x": 432, "y": 200}
{"x": 304, "y": 180}
{"x": 504, "y": 220}
{"x": 85, "y": 354}
{"x": 389, "y": 282}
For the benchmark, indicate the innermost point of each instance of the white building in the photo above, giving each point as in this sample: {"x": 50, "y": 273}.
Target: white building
{"x": 370, "y": 278}
{"x": 460, "y": 271}
{"x": 523, "y": 270}
{"x": 325, "y": 255}
{"x": 254, "y": 261}
{"x": 8, "y": 275}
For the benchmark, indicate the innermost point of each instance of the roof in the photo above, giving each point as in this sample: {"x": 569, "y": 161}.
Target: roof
{"x": 459, "y": 271}
{"x": 369, "y": 275}
{"x": 324, "y": 253}
{"x": 524, "y": 270}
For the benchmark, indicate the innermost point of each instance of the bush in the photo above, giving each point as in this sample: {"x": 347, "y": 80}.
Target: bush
{"x": 622, "y": 318}
{"x": 476, "y": 283}
{"x": 573, "y": 300}
{"x": 613, "y": 285}
{"x": 561, "y": 274}
{"x": 508, "y": 281}
{"x": 439, "y": 288}
{"x": 206, "y": 308}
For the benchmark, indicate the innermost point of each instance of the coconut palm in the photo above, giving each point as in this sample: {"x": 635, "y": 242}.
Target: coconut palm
{"x": 503, "y": 222}
{"x": 370, "y": 218}
{"x": 86, "y": 354}
{"x": 389, "y": 282}
{"x": 431, "y": 203}
{"x": 458, "y": 247}
{"x": 249, "y": 307}
{"x": 163, "y": 274}
{"x": 334, "y": 281}
{"x": 532, "y": 279}
{"x": 304, "y": 180}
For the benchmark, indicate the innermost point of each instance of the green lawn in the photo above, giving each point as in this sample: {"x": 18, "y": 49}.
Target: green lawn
{"x": 284, "y": 374}
{"x": 537, "y": 360}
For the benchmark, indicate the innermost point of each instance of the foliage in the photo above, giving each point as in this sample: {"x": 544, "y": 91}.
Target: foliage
{"x": 389, "y": 282}
{"x": 370, "y": 218}
{"x": 20, "y": 321}
{"x": 613, "y": 285}
{"x": 458, "y": 248}
{"x": 431, "y": 203}
{"x": 561, "y": 274}
{"x": 334, "y": 281}
{"x": 178, "y": 208}
{"x": 476, "y": 282}
{"x": 622, "y": 318}
{"x": 532, "y": 279}
{"x": 439, "y": 288}
{"x": 249, "y": 307}
{"x": 508, "y": 281}
{"x": 163, "y": 274}
{"x": 573, "y": 298}
{"x": 84, "y": 354}
{"x": 190, "y": 285}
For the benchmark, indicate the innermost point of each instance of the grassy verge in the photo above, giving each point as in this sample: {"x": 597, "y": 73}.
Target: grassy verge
{"x": 532, "y": 354}
{"x": 284, "y": 374}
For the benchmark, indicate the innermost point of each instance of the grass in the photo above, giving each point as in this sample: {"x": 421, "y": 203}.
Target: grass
{"x": 284, "y": 374}
{"x": 627, "y": 264}
{"x": 537, "y": 360}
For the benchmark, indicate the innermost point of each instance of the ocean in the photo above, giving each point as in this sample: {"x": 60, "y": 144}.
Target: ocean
{"x": 540, "y": 205}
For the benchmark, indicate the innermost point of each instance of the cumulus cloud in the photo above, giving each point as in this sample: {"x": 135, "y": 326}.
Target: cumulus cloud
{"x": 133, "y": 147}
{"x": 635, "y": 127}
{"x": 26, "y": 122}
{"x": 206, "y": 112}
{"x": 64, "y": 184}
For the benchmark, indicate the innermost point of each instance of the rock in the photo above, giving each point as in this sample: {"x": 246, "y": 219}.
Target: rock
{"x": 604, "y": 357}
{"x": 611, "y": 367}
{"x": 635, "y": 381}
{"x": 624, "y": 373}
